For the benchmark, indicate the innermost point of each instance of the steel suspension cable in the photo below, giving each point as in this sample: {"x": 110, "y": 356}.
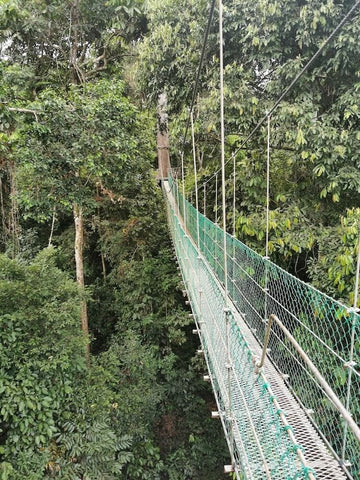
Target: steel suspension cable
{"x": 196, "y": 86}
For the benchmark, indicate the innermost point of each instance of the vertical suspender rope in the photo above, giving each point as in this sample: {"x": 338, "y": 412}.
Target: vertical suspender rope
{"x": 178, "y": 194}
{"x": 197, "y": 219}
{"x": 176, "y": 184}
{"x": 233, "y": 231}
{"x": 222, "y": 135}
{"x": 204, "y": 199}
{"x": 267, "y": 188}
{"x": 267, "y": 219}
{"x": 234, "y": 195}
{"x": 226, "y": 303}
{"x": 183, "y": 188}
{"x": 216, "y": 220}
{"x": 352, "y": 346}
{"x": 196, "y": 183}
{"x": 216, "y": 198}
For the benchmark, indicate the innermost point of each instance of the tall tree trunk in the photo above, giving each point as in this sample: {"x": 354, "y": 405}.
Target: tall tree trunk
{"x": 163, "y": 139}
{"x": 3, "y": 215}
{"x": 78, "y": 211}
{"x": 52, "y": 227}
{"x": 74, "y": 28}
{"x": 79, "y": 261}
{"x": 14, "y": 217}
{"x": 102, "y": 256}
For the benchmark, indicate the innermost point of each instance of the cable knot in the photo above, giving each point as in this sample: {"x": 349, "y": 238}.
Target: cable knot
{"x": 307, "y": 470}
{"x": 297, "y": 447}
{"x": 288, "y": 427}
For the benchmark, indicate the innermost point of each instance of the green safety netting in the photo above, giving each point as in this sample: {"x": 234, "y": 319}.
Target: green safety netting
{"x": 323, "y": 327}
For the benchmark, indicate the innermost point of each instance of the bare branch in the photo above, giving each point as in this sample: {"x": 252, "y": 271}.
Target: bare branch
{"x": 25, "y": 110}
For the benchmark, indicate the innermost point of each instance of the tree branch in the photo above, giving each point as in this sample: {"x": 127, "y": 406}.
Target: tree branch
{"x": 25, "y": 110}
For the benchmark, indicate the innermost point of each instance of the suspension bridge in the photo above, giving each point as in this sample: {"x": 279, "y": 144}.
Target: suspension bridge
{"x": 283, "y": 358}
{"x": 276, "y": 382}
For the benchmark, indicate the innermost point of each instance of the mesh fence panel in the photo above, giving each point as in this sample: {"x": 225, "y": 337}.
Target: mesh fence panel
{"x": 254, "y": 430}
{"x": 323, "y": 327}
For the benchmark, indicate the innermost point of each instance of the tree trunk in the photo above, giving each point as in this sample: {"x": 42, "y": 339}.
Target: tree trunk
{"x": 74, "y": 28}
{"x": 52, "y": 227}
{"x": 13, "y": 220}
{"x": 102, "y": 256}
{"x": 79, "y": 261}
{"x": 163, "y": 139}
{"x": 78, "y": 211}
{"x": 3, "y": 215}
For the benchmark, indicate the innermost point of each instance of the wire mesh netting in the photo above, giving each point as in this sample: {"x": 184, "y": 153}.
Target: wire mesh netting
{"x": 324, "y": 328}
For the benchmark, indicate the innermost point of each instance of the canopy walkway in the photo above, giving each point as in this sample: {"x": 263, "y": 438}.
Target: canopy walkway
{"x": 281, "y": 402}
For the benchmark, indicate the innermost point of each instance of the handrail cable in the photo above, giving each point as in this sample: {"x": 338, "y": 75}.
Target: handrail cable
{"x": 346, "y": 415}
{"x": 293, "y": 83}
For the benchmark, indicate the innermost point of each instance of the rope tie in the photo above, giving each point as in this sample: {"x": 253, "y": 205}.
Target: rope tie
{"x": 307, "y": 470}
{"x": 290, "y": 450}
{"x": 288, "y": 427}
{"x": 296, "y": 447}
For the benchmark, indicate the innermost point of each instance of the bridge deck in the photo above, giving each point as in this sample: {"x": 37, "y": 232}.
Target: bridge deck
{"x": 254, "y": 437}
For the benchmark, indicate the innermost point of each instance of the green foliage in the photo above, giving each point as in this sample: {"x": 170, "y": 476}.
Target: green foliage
{"x": 80, "y": 143}
{"x": 56, "y": 416}
{"x": 336, "y": 266}
{"x": 139, "y": 411}
{"x": 314, "y": 132}
{"x": 49, "y": 37}
{"x": 42, "y": 351}
{"x": 168, "y": 54}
